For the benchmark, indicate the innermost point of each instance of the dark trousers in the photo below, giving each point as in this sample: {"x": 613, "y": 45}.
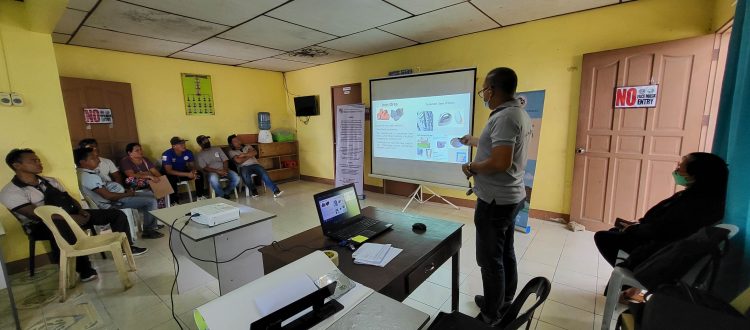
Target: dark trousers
{"x": 610, "y": 242}
{"x": 199, "y": 189}
{"x": 495, "y": 254}
{"x": 116, "y": 219}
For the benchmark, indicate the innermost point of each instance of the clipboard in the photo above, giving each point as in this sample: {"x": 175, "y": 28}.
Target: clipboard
{"x": 161, "y": 188}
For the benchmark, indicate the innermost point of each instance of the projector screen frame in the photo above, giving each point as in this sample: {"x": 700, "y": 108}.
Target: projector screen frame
{"x": 471, "y": 128}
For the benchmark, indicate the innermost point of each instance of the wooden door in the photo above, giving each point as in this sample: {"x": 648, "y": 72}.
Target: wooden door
{"x": 342, "y": 95}
{"x": 86, "y": 93}
{"x": 624, "y": 157}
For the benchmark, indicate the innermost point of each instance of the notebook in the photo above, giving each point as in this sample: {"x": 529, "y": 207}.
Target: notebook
{"x": 341, "y": 216}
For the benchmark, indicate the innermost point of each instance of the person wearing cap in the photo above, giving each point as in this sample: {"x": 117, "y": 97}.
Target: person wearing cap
{"x": 215, "y": 164}
{"x": 110, "y": 195}
{"x": 244, "y": 156}
{"x": 106, "y": 169}
{"x": 178, "y": 164}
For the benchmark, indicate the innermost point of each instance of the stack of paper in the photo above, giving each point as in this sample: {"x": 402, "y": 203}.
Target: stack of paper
{"x": 375, "y": 254}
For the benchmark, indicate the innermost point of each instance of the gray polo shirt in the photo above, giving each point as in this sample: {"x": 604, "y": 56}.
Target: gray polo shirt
{"x": 213, "y": 157}
{"x": 250, "y": 161}
{"x": 17, "y": 194}
{"x": 509, "y": 126}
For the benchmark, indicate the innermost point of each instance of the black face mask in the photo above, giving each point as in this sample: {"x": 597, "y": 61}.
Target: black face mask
{"x": 206, "y": 145}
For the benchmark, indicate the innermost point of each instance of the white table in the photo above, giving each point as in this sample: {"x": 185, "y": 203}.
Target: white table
{"x": 363, "y": 307}
{"x": 217, "y": 243}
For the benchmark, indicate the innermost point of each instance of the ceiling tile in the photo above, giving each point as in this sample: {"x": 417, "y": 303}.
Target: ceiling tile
{"x": 339, "y": 17}
{"x": 275, "y": 64}
{"x": 507, "y": 12}
{"x": 227, "y": 12}
{"x": 124, "y": 17}
{"x": 60, "y": 38}
{"x": 321, "y": 55}
{"x": 98, "y": 38}
{"x": 417, "y": 7}
{"x": 368, "y": 42}
{"x": 207, "y": 58}
{"x": 440, "y": 24}
{"x": 233, "y": 49}
{"x": 70, "y": 21}
{"x": 84, "y": 5}
{"x": 270, "y": 32}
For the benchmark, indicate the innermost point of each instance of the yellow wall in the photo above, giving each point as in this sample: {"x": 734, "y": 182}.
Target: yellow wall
{"x": 41, "y": 123}
{"x": 722, "y": 13}
{"x": 546, "y": 54}
{"x": 36, "y": 65}
{"x": 239, "y": 94}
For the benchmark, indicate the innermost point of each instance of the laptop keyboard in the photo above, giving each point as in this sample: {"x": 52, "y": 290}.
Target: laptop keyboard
{"x": 356, "y": 228}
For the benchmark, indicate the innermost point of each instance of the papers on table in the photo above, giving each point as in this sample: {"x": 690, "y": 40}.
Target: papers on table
{"x": 375, "y": 254}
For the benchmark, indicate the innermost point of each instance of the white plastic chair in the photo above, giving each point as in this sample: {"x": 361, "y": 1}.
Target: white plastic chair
{"x": 213, "y": 193}
{"x": 622, "y": 276}
{"x": 115, "y": 243}
{"x": 168, "y": 200}
{"x": 247, "y": 188}
{"x": 133, "y": 216}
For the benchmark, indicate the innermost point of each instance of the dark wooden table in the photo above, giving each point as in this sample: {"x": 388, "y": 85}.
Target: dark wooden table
{"x": 423, "y": 253}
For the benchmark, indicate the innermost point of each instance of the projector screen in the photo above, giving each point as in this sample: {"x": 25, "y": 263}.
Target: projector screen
{"x": 416, "y": 123}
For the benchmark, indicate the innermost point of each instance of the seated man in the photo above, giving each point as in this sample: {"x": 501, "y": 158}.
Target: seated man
{"x": 213, "y": 162}
{"x": 247, "y": 165}
{"x": 106, "y": 169}
{"x": 114, "y": 192}
{"x": 28, "y": 190}
{"x": 179, "y": 164}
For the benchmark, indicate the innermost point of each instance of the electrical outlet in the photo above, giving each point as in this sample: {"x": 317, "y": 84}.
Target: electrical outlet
{"x": 5, "y": 99}
{"x": 16, "y": 99}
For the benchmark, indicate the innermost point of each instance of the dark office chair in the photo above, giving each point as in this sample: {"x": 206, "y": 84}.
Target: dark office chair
{"x": 511, "y": 320}
{"x": 32, "y": 248}
{"x": 540, "y": 287}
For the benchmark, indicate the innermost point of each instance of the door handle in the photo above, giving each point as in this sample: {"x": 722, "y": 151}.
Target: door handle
{"x": 580, "y": 150}
{"x": 429, "y": 268}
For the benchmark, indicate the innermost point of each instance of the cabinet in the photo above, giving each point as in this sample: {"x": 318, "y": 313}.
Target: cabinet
{"x": 280, "y": 159}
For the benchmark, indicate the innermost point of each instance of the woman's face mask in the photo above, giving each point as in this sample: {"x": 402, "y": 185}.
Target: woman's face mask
{"x": 679, "y": 179}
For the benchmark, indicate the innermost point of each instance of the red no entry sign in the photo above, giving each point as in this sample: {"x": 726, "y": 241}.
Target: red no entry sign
{"x": 636, "y": 96}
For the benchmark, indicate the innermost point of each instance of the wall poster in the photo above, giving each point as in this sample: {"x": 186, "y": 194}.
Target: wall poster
{"x": 197, "y": 93}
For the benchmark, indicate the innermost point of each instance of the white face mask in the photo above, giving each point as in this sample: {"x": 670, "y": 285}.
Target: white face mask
{"x": 486, "y": 102}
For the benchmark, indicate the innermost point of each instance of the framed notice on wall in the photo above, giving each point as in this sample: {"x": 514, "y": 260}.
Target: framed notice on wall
{"x": 97, "y": 116}
{"x": 198, "y": 94}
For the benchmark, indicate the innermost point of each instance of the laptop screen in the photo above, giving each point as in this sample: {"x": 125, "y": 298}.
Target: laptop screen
{"x": 337, "y": 205}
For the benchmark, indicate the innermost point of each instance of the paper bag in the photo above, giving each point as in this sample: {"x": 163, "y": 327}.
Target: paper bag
{"x": 161, "y": 188}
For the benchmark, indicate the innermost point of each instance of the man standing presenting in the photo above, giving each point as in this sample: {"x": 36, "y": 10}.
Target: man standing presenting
{"x": 498, "y": 171}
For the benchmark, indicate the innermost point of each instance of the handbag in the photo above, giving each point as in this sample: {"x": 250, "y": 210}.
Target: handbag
{"x": 59, "y": 198}
{"x": 136, "y": 183}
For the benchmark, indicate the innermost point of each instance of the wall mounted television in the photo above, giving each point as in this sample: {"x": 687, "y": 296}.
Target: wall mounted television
{"x": 306, "y": 106}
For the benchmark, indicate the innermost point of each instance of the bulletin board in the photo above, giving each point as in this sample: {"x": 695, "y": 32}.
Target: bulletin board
{"x": 198, "y": 94}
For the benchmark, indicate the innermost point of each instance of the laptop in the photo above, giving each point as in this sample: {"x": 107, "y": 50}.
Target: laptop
{"x": 341, "y": 217}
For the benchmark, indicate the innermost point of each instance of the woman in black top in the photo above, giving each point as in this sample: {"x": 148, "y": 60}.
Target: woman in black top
{"x": 701, "y": 204}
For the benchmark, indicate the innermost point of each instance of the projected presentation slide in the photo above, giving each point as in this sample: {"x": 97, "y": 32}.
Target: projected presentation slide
{"x": 422, "y": 128}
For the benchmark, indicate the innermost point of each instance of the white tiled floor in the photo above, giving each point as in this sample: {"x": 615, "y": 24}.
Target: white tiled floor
{"x": 568, "y": 259}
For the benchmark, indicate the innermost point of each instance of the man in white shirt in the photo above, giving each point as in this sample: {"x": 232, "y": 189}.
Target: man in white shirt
{"x": 108, "y": 194}
{"x": 29, "y": 190}
{"x": 107, "y": 169}
{"x": 247, "y": 165}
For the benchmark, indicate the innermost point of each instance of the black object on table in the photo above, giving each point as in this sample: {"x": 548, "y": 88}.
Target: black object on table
{"x": 422, "y": 254}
